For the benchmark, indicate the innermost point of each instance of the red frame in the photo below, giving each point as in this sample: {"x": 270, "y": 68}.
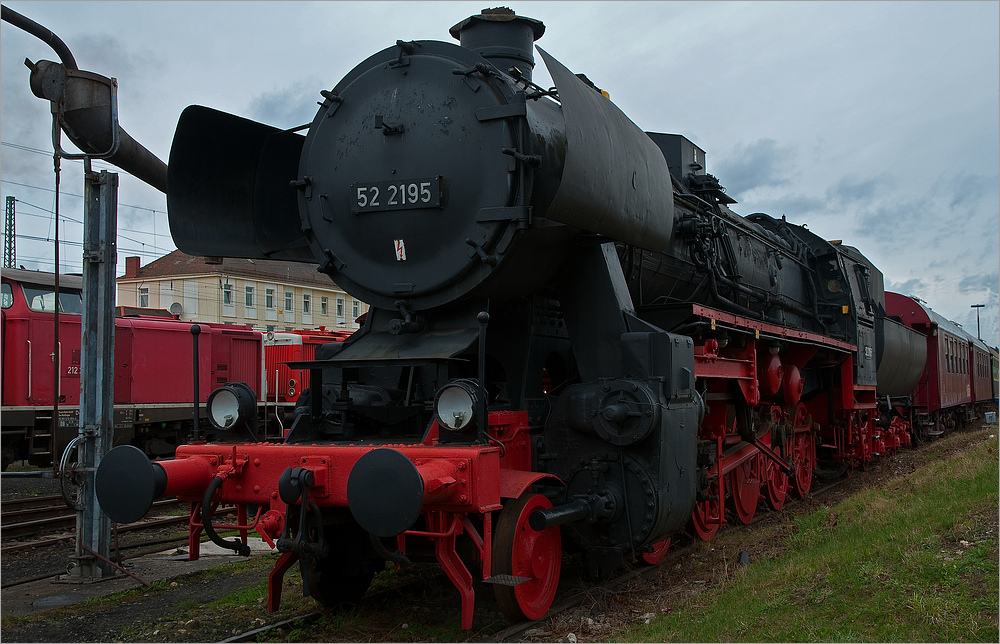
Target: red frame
{"x": 483, "y": 476}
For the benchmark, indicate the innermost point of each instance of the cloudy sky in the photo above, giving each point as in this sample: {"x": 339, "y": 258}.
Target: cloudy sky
{"x": 872, "y": 122}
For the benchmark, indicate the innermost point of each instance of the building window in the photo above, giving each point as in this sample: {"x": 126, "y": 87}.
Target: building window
{"x": 340, "y": 307}
{"x": 143, "y": 298}
{"x": 305, "y": 304}
{"x": 249, "y": 297}
{"x": 323, "y": 307}
{"x": 288, "y": 300}
{"x": 227, "y": 294}
{"x": 270, "y": 327}
{"x": 354, "y": 309}
{"x": 269, "y": 298}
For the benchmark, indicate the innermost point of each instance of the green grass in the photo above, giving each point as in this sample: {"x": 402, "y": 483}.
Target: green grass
{"x": 914, "y": 560}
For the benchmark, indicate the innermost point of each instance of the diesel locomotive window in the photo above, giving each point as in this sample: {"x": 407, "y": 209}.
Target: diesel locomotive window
{"x": 7, "y": 297}
{"x": 43, "y": 298}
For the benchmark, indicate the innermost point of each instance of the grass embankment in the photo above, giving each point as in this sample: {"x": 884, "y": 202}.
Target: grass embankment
{"x": 914, "y": 560}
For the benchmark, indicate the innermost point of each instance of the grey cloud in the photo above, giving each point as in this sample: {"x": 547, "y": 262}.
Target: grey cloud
{"x": 968, "y": 189}
{"x": 853, "y": 190}
{"x": 287, "y": 107}
{"x": 755, "y": 165}
{"x": 909, "y": 287}
{"x": 980, "y": 282}
{"x": 898, "y": 224}
{"x": 794, "y": 206}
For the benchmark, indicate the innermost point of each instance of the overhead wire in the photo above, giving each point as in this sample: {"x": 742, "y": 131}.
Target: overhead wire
{"x": 146, "y": 248}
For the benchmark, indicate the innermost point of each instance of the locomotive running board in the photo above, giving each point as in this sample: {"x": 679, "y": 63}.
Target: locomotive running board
{"x": 672, "y": 316}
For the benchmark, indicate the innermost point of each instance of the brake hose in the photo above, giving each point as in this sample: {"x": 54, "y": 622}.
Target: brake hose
{"x": 206, "y": 519}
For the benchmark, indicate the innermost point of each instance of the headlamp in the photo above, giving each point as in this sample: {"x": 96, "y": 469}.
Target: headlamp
{"x": 232, "y": 406}
{"x": 456, "y": 403}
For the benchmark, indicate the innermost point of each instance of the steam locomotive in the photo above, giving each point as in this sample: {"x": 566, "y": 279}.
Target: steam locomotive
{"x": 573, "y": 339}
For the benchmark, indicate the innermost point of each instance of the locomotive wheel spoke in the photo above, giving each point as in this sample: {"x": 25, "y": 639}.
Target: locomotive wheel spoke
{"x": 707, "y": 515}
{"x": 805, "y": 462}
{"x": 745, "y": 485}
{"x": 521, "y": 551}
{"x": 777, "y": 483}
{"x": 656, "y": 552}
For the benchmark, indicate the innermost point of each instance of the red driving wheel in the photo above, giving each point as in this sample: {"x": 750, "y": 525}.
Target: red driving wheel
{"x": 805, "y": 462}
{"x": 745, "y": 486}
{"x": 521, "y": 551}
{"x": 776, "y": 481}
{"x": 707, "y": 515}
{"x": 656, "y": 552}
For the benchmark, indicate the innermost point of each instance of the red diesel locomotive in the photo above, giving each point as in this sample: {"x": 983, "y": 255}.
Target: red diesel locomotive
{"x": 153, "y": 393}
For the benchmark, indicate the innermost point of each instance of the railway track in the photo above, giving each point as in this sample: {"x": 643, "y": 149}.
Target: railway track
{"x": 573, "y": 599}
{"x": 29, "y": 517}
{"x": 135, "y": 547}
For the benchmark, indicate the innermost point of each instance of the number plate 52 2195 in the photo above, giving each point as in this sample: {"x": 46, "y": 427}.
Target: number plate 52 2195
{"x": 400, "y": 194}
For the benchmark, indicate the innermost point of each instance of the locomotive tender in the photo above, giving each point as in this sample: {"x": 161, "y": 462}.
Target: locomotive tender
{"x": 572, "y": 337}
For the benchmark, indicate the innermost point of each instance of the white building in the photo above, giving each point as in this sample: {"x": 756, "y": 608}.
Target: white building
{"x": 269, "y": 295}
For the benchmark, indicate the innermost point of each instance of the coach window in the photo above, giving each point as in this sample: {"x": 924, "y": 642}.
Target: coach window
{"x": 7, "y": 296}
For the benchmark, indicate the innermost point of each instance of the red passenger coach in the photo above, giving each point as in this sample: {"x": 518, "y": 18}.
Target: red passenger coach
{"x": 944, "y": 397}
{"x": 980, "y": 373}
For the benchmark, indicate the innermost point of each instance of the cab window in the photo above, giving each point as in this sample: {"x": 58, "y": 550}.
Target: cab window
{"x": 42, "y": 299}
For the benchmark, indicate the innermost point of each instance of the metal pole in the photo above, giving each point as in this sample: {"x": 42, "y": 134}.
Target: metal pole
{"x": 100, "y": 259}
{"x": 977, "y": 307}
{"x": 54, "y": 432}
{"x": 195, "y": 331}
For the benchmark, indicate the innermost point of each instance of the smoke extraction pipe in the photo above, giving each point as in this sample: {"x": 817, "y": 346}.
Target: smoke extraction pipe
{"x": 27, "y": 24}
{"x": 85, "y": 106}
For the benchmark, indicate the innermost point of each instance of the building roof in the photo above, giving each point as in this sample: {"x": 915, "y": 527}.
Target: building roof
{"x": 178, "y": 264}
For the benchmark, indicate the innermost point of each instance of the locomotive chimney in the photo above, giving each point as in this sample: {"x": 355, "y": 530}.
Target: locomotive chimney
{"x": 502, "y": 37}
